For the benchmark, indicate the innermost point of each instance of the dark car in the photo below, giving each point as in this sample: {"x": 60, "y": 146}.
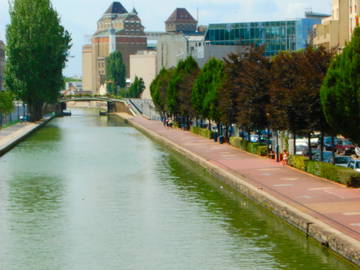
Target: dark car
{"x": 345, "y": 146}
{"x": 328, "y": 143}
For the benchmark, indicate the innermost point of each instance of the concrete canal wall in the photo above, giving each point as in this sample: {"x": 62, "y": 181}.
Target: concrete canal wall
{"x": 327, "y": 235}
{"x": 19, "y": 132}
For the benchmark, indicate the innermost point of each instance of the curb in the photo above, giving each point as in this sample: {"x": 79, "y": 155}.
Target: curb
{"x": 15, "y": 141}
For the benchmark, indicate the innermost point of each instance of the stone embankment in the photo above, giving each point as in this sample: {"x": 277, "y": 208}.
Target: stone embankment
{"x": 325, "y": 211}
{"x": 11, "y": 136}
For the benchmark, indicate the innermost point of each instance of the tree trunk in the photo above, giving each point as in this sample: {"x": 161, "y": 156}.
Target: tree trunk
{"x": 35, "y": 111}
{"x": 294, "y": 143}
{"x": 333, "y": 149}
{"x": 268, "y": 140}
{"x": 322, "y": 146}
{"x": 309, "y": 145}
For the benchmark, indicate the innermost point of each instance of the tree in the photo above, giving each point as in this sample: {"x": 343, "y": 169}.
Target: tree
{"x": 6, "y": 103}
{"x": 253, "y": 96}
{"x": 210, "y": 104}
{"x": 314, "y": 66}
{"x": 115, "y": 72}
{"x": 159, "y": 89}
{"x": 180, "y": 90}
{"x": 37, "y": 49}
{"x": 228, "y": 99}
{"x": 202, "y": 86}
{"x": 340, "y": 92}
{"x": 136, "y": 88}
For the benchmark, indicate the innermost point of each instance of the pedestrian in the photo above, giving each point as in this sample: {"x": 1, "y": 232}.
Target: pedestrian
{"x": 285, "y": 158}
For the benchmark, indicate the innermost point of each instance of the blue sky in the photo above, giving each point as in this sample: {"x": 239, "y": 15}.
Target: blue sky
{"x": 80, "y": 16}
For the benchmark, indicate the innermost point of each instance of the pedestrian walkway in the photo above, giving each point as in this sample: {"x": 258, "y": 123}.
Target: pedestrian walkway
{"x": 331, "y": 203}
{"x": 12, "y": 135}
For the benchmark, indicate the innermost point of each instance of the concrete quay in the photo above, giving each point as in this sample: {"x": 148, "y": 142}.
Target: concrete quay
{"x": 323, "y": 210}
{"x": 11, "y": 136}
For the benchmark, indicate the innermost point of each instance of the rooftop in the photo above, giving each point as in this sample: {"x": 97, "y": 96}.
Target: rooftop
{"x": 116, "y": 8}
{"x": 181, "y": 15}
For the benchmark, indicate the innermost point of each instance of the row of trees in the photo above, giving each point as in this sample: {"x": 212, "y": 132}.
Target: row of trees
{"x": 254, "y": 91}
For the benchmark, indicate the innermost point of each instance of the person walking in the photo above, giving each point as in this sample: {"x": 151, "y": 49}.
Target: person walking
{"x": 285, "y": 158}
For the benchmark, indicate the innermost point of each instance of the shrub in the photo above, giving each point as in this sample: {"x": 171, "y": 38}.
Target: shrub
{"x": 298, "y": 162}
{"x": 250, "y": 147}
{"x": 329, "y": 171}
{"x": 202, "y": 132}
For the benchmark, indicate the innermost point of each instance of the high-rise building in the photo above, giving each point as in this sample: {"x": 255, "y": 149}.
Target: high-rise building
{"x": 287, "y": 35}
{"x": 336, "y": 30}
{"x": 2, "y": 64}
{"x": 117, "y": 30}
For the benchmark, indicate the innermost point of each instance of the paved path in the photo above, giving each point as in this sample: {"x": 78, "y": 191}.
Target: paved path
{"x": 332, "y": 203}
{"x": 10, "y": 136}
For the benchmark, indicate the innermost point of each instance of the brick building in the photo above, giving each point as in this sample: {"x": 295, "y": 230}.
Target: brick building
{"x": 117, "y": 30}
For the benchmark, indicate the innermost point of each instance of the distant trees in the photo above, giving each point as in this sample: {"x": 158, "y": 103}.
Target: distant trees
{"x": 37, "y": 49}
{"x": 115, "y": 73}
{"x": 340, "y": 93}
{"x": 136, "y": 88}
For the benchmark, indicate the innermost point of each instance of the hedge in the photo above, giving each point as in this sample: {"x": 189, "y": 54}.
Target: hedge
{"x": 326, "y": 170}
{"x": 255, "y": 148}
{"x": 298, "y": 162}
{"x": 202, "y": 132}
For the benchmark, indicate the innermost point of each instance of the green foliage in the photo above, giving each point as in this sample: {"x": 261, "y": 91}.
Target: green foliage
{"x": 115, "y": 72}
{"x": 325, "y": 170}
{"x": 298, "y": 162}
{"x": 6, "y": 102}
{"x": 329, "y": 171}
{"x": 37, "y": 49}
{"x": 69, "y": 79}
{"x": 180, "y": 88}
{"x": 204, "y": 132}
{"x": 136, "y": 88}
{"x": 254, "y": 148}
{"x": 340, "y": 93}
{"x": 206, "y": 88}
{"x": 159, "y": 89}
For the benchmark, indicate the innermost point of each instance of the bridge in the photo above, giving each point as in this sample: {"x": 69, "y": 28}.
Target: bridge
{"x": 113, "y": 104}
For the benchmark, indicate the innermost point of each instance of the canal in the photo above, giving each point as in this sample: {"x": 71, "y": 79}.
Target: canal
{"x": 90, "y": 193}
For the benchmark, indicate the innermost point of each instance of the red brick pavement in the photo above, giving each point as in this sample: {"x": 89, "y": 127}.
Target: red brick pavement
{"x": 334, "y": 204}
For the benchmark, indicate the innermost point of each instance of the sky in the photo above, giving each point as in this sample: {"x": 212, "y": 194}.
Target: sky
{"x": 80, "y": 16}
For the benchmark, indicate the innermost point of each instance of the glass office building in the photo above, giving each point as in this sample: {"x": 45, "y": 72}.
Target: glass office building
{"x": 277, "y": 36}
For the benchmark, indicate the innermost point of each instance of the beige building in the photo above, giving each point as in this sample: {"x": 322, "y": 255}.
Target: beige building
{"x": 2, "y": 64}
{"x": 117, "y": 30}
{"x": 336, "y": 30}
{"x": 143, "y": 65}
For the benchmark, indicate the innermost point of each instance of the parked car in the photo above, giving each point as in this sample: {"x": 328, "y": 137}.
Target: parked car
{"x": 345, "y": 146}
{"x": 254, "y": 138}
{"x": 327, "y": 156}
{"x": 342, "y": 161}
{"x": 354, "y": 164}
{"x": 302, "y": 150}
{"x": 328, "y": 143}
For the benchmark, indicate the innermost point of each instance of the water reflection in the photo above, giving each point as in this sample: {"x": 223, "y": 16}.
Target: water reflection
{"x": 89, "y": 192}
{"x": 249, "y": 224}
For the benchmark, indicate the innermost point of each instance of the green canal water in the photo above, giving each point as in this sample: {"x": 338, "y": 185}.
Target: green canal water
{"x": 92, "y": 193}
